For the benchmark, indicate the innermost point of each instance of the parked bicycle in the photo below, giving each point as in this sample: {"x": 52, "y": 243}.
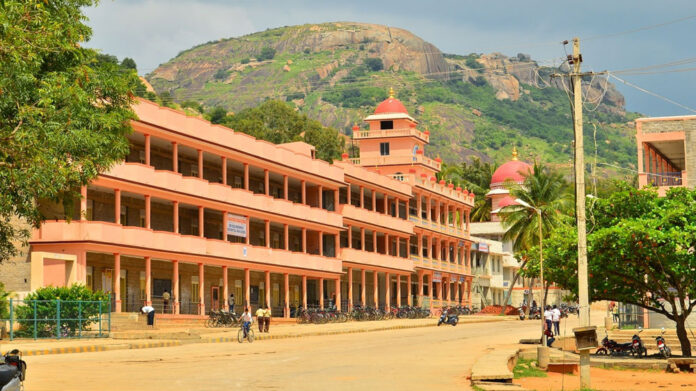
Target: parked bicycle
{"x": 222, "y": 319}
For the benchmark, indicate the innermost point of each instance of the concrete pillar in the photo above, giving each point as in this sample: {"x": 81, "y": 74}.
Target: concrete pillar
{"x": 409, "y": 294}
{"x": 175, "y": 285}
{"x": 147, "y": 212}
{"x": 374, "y": 201}
{"x": 321, "y": 292}
{"x": 117, "y": 206}
{"x": 387, "y": 291}
{"x": 224, "y": 226}
{"x": 337, "y": 200}
{"x": 201, "y": 289}
{"x": 286, "y": 280}
{"x": 386, "y": 204}
{"x": 348, "y": 194}
{"x": 419, "y": 205}
{"x": 437, "y": 211}
{"x": 223, "y": 166}
{"x": 175, "y": 156}
{"x": 321, "y": 243}
{"x": 337, "y": 244}
{"x": 374, "y": 241}
{"x": 247, "y": 239}
{"x": 286, "y": 237}
{"x": 350, "y": 289}
{"x": 201, "y": 221}
{"x": 408, "y": 247}
{"x": 266, "y": 182}
{"x": 320, "y": 196}
{"x": 304, "y": 292}
{"x": 148, "y": 281}
{"x": 375, "y": 281}
{"x": 175, "y": 214}
{"x": 362, "y": 238}
{"x": 246, "y": 176}
{"x": 200, "y": 164}
{"x": 285, "y": 187}
{"x": 398, "y": 290}
{"x": 337, "y": 283}
{"x": 430, "y": 246}
{"x": 419, "y": 238}
{"x": 225, "y": 289}
{"x": 267, "y": 285}
{"x": 363, "y": 298}
{"x": 83, "y": 203}
{"x": 362, "y": 197}
{"x": 386, "y": 243}
{"x": 267, "y": 234}
{"x": 147, "y": 149}
{"x": 304, "y": 240}
{"x": 247, "y": 290}
{"x": 350, "y": 236}
{"x": 117, "y": 281}
{"x": 303, "y": 185}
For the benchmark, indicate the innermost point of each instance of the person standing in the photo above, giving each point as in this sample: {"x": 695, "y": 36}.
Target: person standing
{"x": 556, "y": 318}
{"x": 165, "y": 301}
{"x": 266, "y": 318}
{"x": 615, "y": 312}
{"x": 230, "y": 303}
{"x": 259, "y": 318}
{"x": 548, "y": 317}
{"x": 150, "y": 312}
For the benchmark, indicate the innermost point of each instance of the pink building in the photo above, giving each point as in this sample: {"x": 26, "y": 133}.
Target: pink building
{"x": 203, "y": 212}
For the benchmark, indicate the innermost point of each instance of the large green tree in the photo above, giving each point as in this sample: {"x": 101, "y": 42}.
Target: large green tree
{"x": 64, "y": 114}
{"x": 641, "y": 251}
{"x": 544, "y": 191}
{"x": 475, "y": 177}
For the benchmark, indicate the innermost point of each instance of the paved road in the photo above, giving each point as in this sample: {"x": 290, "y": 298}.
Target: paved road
{"x": 411, "y": 359}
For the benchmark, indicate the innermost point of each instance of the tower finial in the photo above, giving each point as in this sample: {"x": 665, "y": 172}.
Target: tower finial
{"x": 391, "y": 92}
{"x": 514, "y": 153}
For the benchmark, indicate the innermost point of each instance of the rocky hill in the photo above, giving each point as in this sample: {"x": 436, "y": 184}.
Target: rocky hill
{"x": 475, "y": 104}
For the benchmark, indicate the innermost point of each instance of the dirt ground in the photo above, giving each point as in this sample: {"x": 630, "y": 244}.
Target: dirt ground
{"x": 605, "y": 379}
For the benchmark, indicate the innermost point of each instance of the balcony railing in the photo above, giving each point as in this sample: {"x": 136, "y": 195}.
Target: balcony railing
{"x": 434, "y": 264}
{"x": 435, "y": 187}
{"x": 396, "y": 159}
{"x": 434, "y": 226}
{"x": 665, "y": 179}
{"x": 380, "y": 133}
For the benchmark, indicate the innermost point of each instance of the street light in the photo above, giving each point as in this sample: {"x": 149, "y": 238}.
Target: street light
{"x": 541, "y": 266}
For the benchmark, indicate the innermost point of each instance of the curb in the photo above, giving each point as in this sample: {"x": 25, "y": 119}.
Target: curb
{"x": 100, "y": 348}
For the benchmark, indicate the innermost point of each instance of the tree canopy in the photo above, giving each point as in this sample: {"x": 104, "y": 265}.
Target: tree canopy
{"x": 278, "y": 122}
{"x": 641, "y": 251}
{"x": 64, "y": 110}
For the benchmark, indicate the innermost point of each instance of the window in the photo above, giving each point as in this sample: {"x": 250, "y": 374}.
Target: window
{"x": 195, "y": 298}
{"x": 384, "y": 149}
{"x": 386, "y": 124}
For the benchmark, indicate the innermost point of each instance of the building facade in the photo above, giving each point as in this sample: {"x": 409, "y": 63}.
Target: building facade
{"x": 203, "y": 212}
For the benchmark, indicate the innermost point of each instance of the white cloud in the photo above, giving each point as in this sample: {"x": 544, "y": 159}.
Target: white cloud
{"x": 153, "y": 31}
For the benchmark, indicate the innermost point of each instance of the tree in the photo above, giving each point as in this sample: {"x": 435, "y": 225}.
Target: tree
{"x": 65, "y": 113}
{"x": 374, "y": 64}
{"x": 129, "y": 63}
{"x": 267, "y": 53}
{"x": 640, "y": 251}
{"x": 475, "y": 177}
{"x": 217, "y": 115}
{"x": 278, "y": 122}
{"x": 545, "y": 190}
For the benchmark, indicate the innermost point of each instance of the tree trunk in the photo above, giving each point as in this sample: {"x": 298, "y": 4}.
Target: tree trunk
{"x": 530, "y": 296}
{"x": 683, "y": 337}
{"x": 546, "y": 294}
{"x": 512, "y": 285}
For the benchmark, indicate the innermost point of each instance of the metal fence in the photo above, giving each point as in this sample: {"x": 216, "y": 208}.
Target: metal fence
{"x": 629, "y": 317}
{"x": 48, "y": 319}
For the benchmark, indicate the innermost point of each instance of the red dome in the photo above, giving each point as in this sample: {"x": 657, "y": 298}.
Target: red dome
{"x": 391, "y": 106}
{"x": 512, "y": 170}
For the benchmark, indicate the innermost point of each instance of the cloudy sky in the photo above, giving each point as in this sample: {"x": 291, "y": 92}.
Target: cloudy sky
{"x": 153, "y": 31}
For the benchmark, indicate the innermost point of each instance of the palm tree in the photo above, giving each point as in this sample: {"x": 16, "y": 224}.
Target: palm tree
{"x": 475, "y": 177}
{"x": 545, "y": 190}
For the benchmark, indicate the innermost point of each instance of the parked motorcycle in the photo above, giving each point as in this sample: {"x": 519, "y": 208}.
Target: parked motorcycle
{"x": 12, "y": 371}
{"x": 611, "y": 347}
{"x": 638, "y": 349}
{"x": 447, "y": 318}
{"x": 520, "y": 311}
{"x": 662, "y": 347}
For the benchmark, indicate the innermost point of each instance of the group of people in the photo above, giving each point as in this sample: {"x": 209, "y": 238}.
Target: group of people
{"x": 552, "y": 316}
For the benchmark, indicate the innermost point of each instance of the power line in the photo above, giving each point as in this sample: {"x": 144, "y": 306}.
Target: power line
{"x": 643, "y": 28}
{"x": 652, "y": 93}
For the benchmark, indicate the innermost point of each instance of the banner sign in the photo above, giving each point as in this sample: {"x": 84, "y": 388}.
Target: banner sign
{"x": 236, "y": 225}
{"x": 437, "y": 277}
{"x": 483, "y": 247}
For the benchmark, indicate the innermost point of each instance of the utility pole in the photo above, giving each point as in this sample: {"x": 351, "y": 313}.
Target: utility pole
{"x": 583, "y": 295}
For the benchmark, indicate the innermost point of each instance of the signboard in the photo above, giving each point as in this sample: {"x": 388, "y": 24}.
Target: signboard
{"x": 483, "y": 247}
{"x": 237, "y": 225}
{"x": 462, "y": 279}
{"x": 437, "y": 277}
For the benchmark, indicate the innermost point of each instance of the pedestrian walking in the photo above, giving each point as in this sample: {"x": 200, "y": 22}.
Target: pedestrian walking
{"x": 266, "y": 318}
{"x": 259, "y": 318}
{"x": 150, "y": 312}
{"x": 230, "y": 303}
{"x": 556, "y": 318}
{"x": 548, "y": 317}
{"x": 615, "y": 312}
{"x": 165, "y": 301}
{"x": 549, "y": 337}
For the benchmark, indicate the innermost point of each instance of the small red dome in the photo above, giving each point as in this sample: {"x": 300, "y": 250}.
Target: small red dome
{"x": 356, "y": 128}
{"x": 391, "y": 106}
{"x": 513, "y": 170}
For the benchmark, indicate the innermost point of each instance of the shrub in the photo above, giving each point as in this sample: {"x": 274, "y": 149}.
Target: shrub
{"x": 267, "y": 53}
{"x": 76, "y": 301}
{"x": 220, "y": 74}
{"x": 4, "y": 303}
{"x": 374, "y": 64}
{"x": 245, "y": 60}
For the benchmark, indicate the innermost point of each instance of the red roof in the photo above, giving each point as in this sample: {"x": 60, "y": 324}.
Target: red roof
{"x": 512, "y": 170}
{"x": 391, "y": 106}
{"x": 507, "y": 201}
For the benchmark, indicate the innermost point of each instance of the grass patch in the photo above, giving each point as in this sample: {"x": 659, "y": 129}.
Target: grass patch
{"x": 524, "y": 368}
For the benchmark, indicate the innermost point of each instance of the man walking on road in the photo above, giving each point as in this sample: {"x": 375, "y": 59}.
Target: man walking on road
{"x": 165, "y": 301}
{"x": 266, "y": 318}
{"x": 259, "y": 317}
{"x": 556, "y": 318}
{"x": 548, "y": 317}
{"x": 231, "y": 302}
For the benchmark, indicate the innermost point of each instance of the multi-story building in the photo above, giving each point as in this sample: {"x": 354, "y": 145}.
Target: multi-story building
{"x": 666, "y": 151}
{"x": 202, "y": 211}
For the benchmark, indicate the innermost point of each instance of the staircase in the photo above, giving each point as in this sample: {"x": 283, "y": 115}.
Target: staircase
{"x": 648, "y": 337}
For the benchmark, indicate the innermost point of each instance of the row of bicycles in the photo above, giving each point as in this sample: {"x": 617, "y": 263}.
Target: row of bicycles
{"x": 222, "y": 318}
{"x": 320, "y": 316}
